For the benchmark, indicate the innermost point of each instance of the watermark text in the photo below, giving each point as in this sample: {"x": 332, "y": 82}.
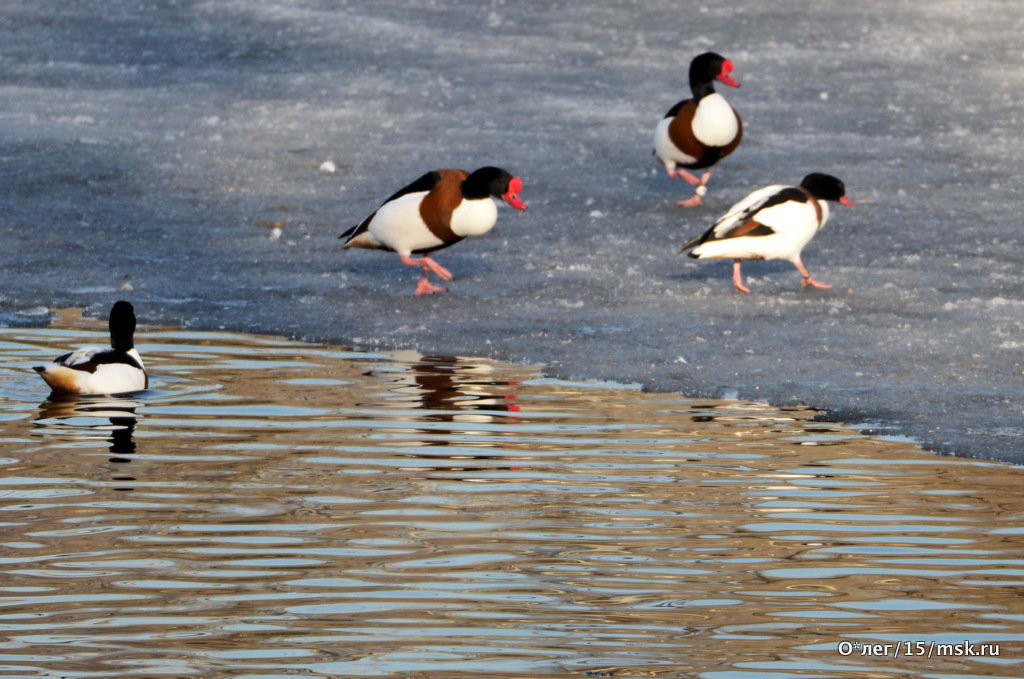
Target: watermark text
{"x": 919, "y": 649}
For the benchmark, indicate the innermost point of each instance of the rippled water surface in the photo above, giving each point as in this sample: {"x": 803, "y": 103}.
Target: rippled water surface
{"x": 276, "y": 509}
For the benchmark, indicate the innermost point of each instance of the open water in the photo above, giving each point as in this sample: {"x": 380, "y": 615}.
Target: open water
{"x": 276, "y": 509}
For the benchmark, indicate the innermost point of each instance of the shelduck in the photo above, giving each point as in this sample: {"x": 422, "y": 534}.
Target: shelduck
{"x": 437, "y": 210}
{"x": 697, "y": 133}
{"x": 117, "y": 369}
{"x": 774, "y": 222}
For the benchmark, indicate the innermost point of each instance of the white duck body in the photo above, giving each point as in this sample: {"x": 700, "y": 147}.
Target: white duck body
{"x": 474, "y": 217}
{"x": 84, "y": 372}
{"x": 792, "y": 224}
{"x": 715, "y": 122}
{"x": 399, "y": 226}
{"x": 668, "y": 153}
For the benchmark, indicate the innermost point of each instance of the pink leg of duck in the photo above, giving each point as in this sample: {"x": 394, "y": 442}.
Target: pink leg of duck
{"x": 693, "y": 180}
{"x": 425, "y": 287}
{"x": 737, "y": 277}
{"x": 807, "y": 280}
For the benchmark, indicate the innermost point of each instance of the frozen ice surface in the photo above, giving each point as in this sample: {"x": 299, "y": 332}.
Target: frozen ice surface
{"x": 179, "y": 147}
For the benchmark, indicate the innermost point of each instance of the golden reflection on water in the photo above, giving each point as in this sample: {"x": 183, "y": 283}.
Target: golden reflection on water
{"x": 274, "y": 509}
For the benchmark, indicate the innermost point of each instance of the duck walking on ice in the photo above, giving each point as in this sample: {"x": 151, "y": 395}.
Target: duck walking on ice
{"x": 697, "y": 133}
{"x": 774, "y": 222}
{"x": 437, "y": 210}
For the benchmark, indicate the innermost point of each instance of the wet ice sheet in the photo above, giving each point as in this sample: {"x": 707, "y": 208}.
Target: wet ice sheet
{"x": 272, "y": 508}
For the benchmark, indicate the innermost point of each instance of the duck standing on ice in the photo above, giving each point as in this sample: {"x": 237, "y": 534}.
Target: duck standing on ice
{"x": 697, "y": 133}
{"x": 774, "y": 222}
{"x": 97, "y": 370}
{"x": 437, "y": 210}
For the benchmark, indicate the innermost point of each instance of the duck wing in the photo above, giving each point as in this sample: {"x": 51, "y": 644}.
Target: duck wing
{"x": 423, "y": 184}
{"x": 755, "y": 215}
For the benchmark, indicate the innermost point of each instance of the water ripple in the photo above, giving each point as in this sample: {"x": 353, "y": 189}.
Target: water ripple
{"x": 272, "y": 509}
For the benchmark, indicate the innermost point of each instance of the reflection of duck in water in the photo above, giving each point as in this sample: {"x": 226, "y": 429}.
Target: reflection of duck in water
{"x": 458, "y": 405}
{"x": 122, "y": 441}
{"x": 96, "y": 370}
{"x": 447, "y": 383}
{"x": 84, "y": 415}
